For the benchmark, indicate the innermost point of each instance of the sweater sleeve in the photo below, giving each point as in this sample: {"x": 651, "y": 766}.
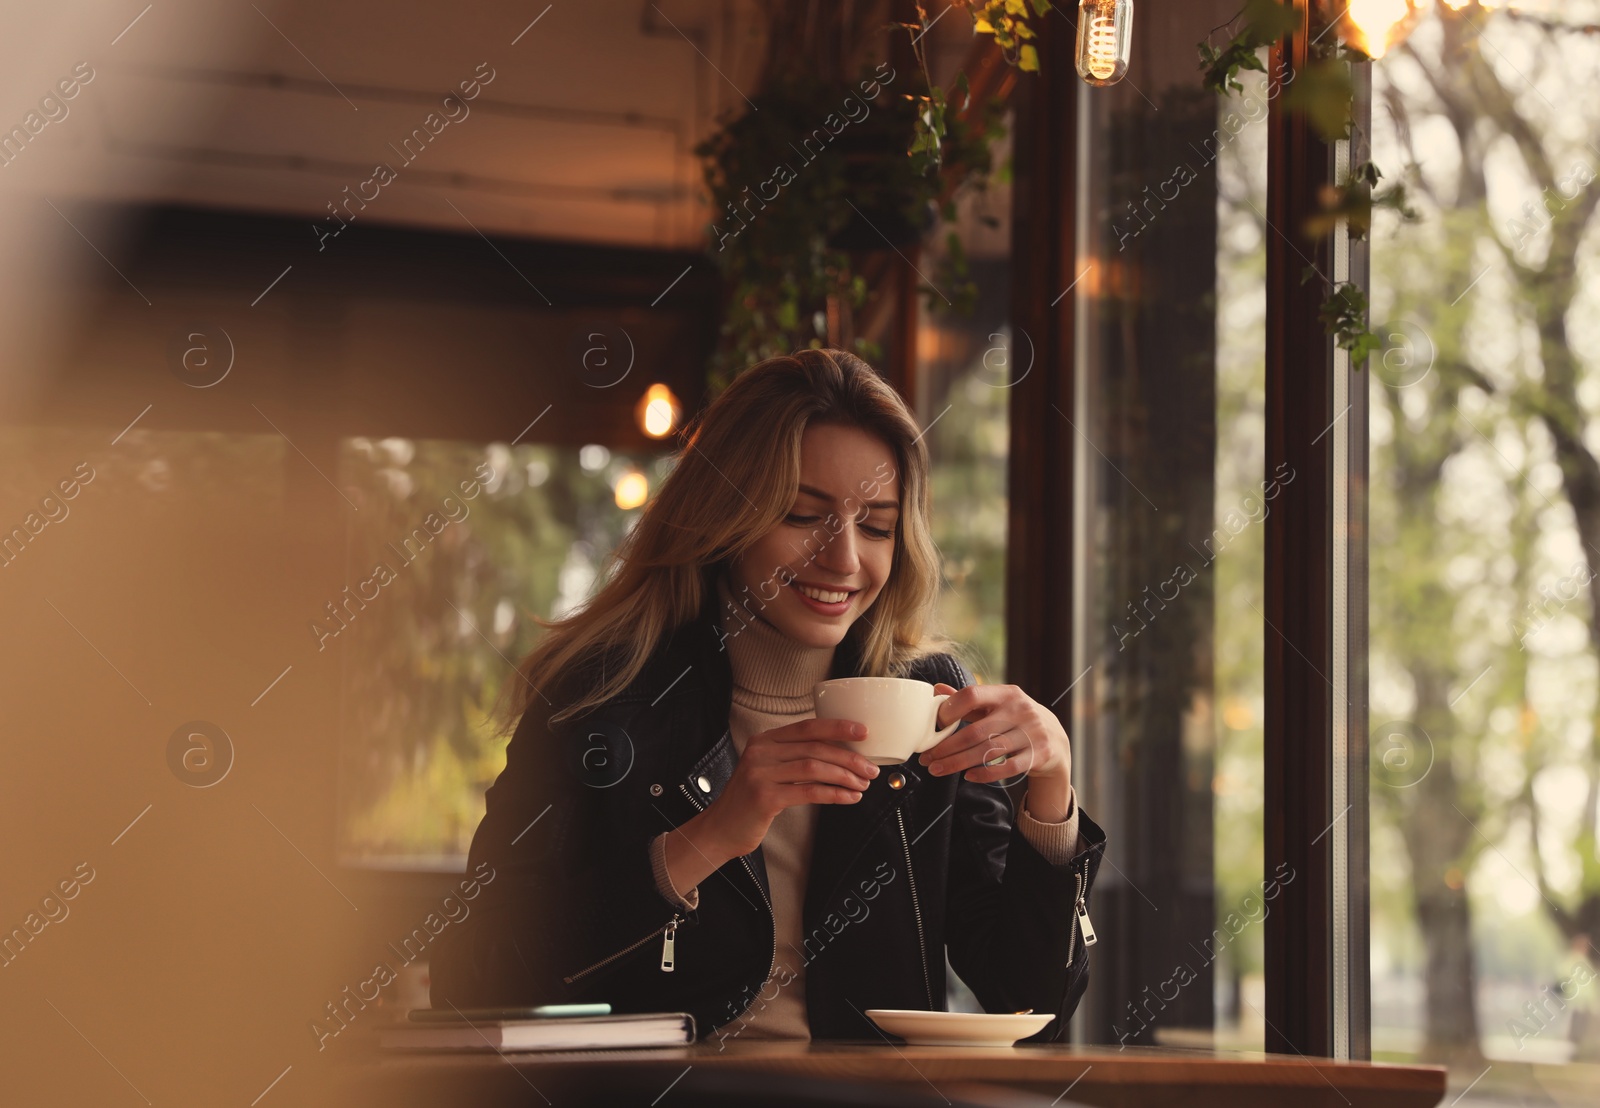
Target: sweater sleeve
{"x": 1057, "y": 842}
{"x": 691, "y": 900}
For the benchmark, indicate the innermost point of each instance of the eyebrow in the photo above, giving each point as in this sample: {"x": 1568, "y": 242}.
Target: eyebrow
{"x": 830, "y": 499}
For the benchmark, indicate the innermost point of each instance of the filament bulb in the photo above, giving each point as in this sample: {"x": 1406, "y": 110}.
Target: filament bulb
{"x": 1105, "y": 32}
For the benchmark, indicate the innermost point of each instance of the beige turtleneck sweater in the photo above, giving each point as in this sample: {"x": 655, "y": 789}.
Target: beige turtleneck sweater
{"x": 773, "y": 678}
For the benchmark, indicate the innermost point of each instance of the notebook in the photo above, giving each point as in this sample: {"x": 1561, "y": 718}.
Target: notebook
{"x": 641, "y": 1029}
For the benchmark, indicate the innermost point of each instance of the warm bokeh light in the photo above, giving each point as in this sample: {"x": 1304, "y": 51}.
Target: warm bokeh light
{"x": 632, "y": 489}
{"x": 1373, "y": 26}
{"x": 658, "y": 411}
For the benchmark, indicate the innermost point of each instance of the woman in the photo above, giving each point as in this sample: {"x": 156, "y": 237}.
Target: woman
{"x": 675, "y": 830}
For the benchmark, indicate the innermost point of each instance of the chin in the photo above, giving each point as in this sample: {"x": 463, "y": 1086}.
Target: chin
{"x": 815, "y": 634}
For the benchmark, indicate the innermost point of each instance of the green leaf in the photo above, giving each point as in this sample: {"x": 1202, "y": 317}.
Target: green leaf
{"x": 1322, "y": 91}
{"x": 1265, "y": 22}
{"x": 1365, "y": 345}
{"x": 1269, "y": 20}
{"x": 1344, "y": 316}
{"x": 1221, "y": 66}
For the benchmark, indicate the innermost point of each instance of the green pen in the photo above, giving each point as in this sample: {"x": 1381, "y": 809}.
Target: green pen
{"x": 489, "y": 1015}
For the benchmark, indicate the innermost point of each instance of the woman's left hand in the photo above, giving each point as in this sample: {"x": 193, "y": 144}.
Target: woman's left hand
{"x": 1005, "y": 722}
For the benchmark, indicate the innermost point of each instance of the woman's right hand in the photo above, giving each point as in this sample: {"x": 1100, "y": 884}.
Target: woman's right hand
{"x": 795, "y": 764}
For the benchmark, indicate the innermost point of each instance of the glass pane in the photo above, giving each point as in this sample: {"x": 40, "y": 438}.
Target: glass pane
{"x": 1171, "y": 499}
{"x": 456, "y": 548}
{"x": 966, "y": 364}
{"x": 1484, "y": 525}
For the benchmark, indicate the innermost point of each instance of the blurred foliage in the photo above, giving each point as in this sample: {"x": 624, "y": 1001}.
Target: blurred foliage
{"x": 1265, "y": 22}
{"x": 790, "y": 255}
{"x": 1322, "y": 92}
{"x": 969, "y": 447}
{"x": 1483, "y": 826}
{"x": 1009, "y": 22}
{"x": 790, "y": 218}
{"x": 1239, "y": 569}
{"x": 429, "y": 656}
{"x": 1344, "y": 316}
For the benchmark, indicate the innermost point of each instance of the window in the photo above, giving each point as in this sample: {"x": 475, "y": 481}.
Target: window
{"x": 1171, "y": 498}
{"x": 966, "y": 365}
{"x": 1485, "y": 888}
{"x": 456, "y": 548}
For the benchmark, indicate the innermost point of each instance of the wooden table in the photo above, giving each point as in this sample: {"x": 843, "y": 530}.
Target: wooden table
{"x": 1135, "y": 1077}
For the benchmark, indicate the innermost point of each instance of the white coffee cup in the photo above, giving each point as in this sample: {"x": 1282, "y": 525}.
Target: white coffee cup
{"x": 901, "y": 715}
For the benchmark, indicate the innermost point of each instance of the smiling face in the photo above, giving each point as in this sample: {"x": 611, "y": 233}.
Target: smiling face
{"x": 828, "y": 559}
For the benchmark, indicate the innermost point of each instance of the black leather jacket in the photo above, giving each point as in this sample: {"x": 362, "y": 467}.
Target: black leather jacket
{"x": 919, "y": 866}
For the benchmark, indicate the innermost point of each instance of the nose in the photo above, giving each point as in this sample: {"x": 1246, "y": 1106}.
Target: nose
{"x": 839, "y": 554}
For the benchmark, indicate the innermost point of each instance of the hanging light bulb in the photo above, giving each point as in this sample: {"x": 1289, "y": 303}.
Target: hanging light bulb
{"x": 1105, "y": 33}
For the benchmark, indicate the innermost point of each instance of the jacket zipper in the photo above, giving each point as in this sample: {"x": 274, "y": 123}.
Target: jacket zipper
{"x": 1080, "y": 921}
{"x": 670, "y": 932}
{"x": 916, "y": 908}
{"x": 772, "y": 962}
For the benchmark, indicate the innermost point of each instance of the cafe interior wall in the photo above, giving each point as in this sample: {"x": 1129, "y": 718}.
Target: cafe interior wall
{"x": 182, "y": 195}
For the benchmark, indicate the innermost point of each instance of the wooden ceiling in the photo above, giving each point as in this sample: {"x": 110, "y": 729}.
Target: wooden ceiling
{"x": 569, "y": 121}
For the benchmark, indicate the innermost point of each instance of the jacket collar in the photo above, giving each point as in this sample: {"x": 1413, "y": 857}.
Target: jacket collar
{"x": 842, "y": 830}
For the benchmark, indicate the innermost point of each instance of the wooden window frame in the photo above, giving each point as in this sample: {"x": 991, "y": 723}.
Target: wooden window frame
{"x": 1315, "y": 626}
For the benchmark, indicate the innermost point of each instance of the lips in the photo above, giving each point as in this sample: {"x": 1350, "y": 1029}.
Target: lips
{"x": 824, "y": 601}
{"x": 823, "y": 594}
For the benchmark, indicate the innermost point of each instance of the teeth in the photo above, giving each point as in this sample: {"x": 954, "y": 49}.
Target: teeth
{"x": 823, "y": 595}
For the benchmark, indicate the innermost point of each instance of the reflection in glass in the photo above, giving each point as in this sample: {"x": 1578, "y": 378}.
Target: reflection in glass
{"x": 1171, "y": 499}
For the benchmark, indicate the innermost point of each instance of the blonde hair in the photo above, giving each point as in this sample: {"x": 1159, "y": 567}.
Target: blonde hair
{"x": 734, "y": 480}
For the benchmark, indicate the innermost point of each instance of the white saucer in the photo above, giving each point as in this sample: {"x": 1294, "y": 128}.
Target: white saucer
{"x": 957, "y": 1028}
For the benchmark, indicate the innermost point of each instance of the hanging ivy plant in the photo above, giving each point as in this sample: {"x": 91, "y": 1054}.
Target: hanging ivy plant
{"x": 814, "y": 175}
{"x": 1354, "y": 201}
{"x": 1265, "y": 22}
{"x": 1322, "y": 91}
{"x": 1344, "y": 316}
{"x": 818, "y": 173}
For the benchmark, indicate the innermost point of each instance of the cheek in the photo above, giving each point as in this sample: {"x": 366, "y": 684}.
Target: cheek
{"x": 765, "y": 557}
{"x": 882, "y": 564}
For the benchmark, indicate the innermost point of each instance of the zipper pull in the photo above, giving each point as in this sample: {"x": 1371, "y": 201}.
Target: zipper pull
{"x": 1084, "y": 926}
{"x": 669, "y": 942}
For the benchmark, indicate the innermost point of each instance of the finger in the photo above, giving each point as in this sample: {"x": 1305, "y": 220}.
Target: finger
{"x": 828, "y": 752}
{"x": 973, "y": 703}
{"x": 804, "y": 770}
{"x": 792, "y": 796}
{"x": 1018, "y": 764}
{"x": 958, "y": 742}
{"x": 942, "y": 716}
{"x": 810, "y": 730}
{"x": 992, "y": 747}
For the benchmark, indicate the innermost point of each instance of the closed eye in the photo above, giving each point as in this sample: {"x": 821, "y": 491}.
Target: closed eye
{"x": 875, "y": 532}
